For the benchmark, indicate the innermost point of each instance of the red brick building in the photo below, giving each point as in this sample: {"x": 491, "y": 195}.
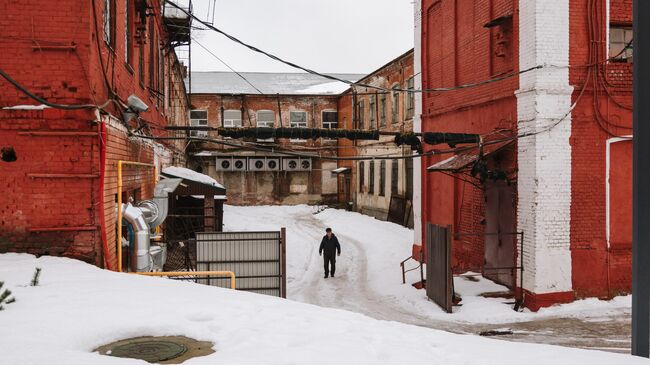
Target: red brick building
{"x": 373, "y": 184}
{"x": 297, "y": 100}
{"x": 562, "y": 83}
{"x": 59, "y": 193}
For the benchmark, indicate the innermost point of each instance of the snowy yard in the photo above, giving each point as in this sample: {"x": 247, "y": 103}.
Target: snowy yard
{"x": 78, "y": 307}
{"x": 369, "y": 281}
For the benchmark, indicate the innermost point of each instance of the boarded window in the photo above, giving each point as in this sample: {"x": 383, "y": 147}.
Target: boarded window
{"x": 330, "y": 120}
{"x": 128, "y": 33}
{"x": 371, "y": 178}
{"x": 362, "y": 176}
{"x": 395, "y": 105}
{"x": 199, "y": 118}
{"x": 410, "y": 99}
{"x": 620, "y": 43}
{"x": 373, "y": 109}
{"x": 152, "y": 54}
{"x": 394, "y": 177}
{"x": 232, "y": 118}
{"x": 382, "y": 110}
{"x": 362, "y": 115}
{"x": 382, "y": 178}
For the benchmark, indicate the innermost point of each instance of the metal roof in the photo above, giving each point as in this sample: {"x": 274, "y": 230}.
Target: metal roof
{"x": 217, "y": 82}
{"x": 464, "y": 159}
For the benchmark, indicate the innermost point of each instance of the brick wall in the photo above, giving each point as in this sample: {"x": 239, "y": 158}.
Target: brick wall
{"x": 54, "y": 50}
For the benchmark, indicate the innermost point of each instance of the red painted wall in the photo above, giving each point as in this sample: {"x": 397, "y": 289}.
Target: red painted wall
{"x": 457, "y": 49}
{"x": 53, "y": 193}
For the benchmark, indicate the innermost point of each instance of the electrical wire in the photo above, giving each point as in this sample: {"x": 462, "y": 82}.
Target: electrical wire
{"x": 225, "y": 64}
{"x": 352, "y": 83}
{"x": 45, "y": 102}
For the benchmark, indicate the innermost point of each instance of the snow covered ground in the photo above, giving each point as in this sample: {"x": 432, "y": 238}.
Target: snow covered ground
{"x": 78, "y": 307}
{"x": 369, "y": 278}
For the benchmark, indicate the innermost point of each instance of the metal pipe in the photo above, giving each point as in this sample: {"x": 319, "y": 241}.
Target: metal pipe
{"x": 192, "y": 273}
{"x": 141, "y": 261}
{"x": 121, "y": 163}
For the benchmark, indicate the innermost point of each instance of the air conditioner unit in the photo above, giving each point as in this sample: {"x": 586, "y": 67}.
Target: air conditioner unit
{"x": 257, "y": 164}
{"x": 273, "y": 164}
{"x": 296, "y": 164}
{"x": 224, "y": 164}
{"x": 239, "y": 164}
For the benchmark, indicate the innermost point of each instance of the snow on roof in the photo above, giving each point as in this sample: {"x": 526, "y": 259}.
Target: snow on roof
{"x": 340, "y": 170}
{"x": 188, "y": 174}
{"x": 26, "y": 107}
{"x": 269, "y": 83}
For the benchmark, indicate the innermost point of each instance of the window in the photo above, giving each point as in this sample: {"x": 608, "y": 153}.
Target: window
{"x": 395, "y": 104}
{"x": 109, "y": 23}
{"x": 373, "y": 110}
{"x": 128, "y": 34}
{"x": 620, "y": 46}
{"x": 394, "y": 177}
{"x": 362, "y": 176}
{"x": 265, "y": 118}
{"x": 382, "y": 178}
{"x": 330, "y": 120}
{"x": 410, "y": 99}
{"x": 382, "y": 110}
{"x": 371, "y": 178}
{"x": 232, "y": 118}
{"x": 298, "y": 119}
{"x": 362, "y": 115}
{"x": 152, "y": 44}
{"x": 141, "y": 64}
{"x": 198, "y": 118}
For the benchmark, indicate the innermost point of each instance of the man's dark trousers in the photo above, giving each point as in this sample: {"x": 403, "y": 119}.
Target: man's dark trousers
{"x": 329, "y": 259}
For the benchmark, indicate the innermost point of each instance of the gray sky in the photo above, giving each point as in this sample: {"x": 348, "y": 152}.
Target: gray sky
{"x": 344, "y": 36}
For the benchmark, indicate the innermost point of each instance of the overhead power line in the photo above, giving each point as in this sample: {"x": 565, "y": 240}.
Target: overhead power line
{"x": 225, "y": 64}
{"x": 352, "y": 83}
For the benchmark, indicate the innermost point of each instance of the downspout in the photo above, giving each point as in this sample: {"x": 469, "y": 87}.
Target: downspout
{"x": 102, "y": 167}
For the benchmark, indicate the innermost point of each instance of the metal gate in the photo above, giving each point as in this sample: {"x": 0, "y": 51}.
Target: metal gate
{"x": 258, "y": 260}
{"x": 439, "y": 284}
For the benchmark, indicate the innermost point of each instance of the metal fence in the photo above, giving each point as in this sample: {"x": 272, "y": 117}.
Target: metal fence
{"x": 258, "y": 259}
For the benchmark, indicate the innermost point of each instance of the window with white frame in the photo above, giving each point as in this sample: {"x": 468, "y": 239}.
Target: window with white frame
{"x": 620, "y": 43}
{"x": 232, "y": 118}
{"x": 109, "y": 22}
{"x": 297, "y": 119}
{"x": 198, "y": 118}
{"x": 265, "y": 118}
{"x": 330, "y": 119}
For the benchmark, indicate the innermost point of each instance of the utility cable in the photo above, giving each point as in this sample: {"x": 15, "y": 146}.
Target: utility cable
{"x": 225, "y": 64}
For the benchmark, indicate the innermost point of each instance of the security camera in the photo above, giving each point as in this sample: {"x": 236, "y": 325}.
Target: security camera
{"x": 136, "y": 105}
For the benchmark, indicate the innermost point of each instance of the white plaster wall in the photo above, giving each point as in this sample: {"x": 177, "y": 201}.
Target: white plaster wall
{"x": 417, "y": 123}
{"x": 544, "y": 178}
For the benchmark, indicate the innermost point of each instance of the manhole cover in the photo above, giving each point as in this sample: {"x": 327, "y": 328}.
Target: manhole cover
{"x": 150, "y": 350}
{"x": 164, "y": 349}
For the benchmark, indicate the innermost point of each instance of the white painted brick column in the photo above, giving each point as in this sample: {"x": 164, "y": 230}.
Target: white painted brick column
{"x": 544, "y": 160}
{"x": 417, "y": 124}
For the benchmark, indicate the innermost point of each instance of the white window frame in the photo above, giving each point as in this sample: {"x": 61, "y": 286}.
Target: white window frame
{"x": 199, "y": 122}
{"x": 628, "y": 54}
{"x": 231, "y": 122}
{"x": 298, "y": 124}
{"x": 265, "y": 123}
{"x": 322, "y": 116}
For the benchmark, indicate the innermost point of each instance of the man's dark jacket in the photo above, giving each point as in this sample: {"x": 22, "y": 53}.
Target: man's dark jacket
{"x": 330, "y": 245}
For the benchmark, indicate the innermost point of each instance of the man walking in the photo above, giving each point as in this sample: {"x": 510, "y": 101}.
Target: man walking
{"x": 329, "y": 245}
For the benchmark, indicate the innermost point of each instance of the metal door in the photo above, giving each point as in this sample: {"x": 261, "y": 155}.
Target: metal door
{"x": 500, "y": 240}
{"x": 439, "y": 285}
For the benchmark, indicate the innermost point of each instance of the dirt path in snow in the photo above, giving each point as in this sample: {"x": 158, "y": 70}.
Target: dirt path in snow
{"x": 349, "y": 291}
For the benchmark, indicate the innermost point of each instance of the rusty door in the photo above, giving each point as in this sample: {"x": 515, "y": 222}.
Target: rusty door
{"x": 500, "y": 240}
{"x": 439, "y": 283}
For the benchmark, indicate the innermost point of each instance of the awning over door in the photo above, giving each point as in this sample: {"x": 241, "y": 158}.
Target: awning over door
{"x": 464, "y": 159}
